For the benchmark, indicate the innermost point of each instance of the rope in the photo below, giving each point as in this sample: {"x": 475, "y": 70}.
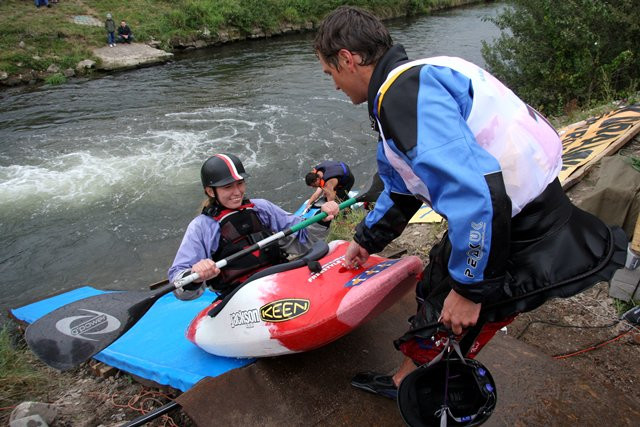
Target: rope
{"x": 593, "y": 347}
{"x": 561, "y": 356}
{"x": 147, "y": 398}
{"x": 561, "y": 325}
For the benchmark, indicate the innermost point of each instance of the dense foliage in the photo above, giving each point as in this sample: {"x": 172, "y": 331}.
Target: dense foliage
{"x": 559, "y": 55}
{"x": 247, "y": 15}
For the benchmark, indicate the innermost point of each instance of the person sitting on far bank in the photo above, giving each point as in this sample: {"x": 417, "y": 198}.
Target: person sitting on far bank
{"x": 229, "y": 222}
{"x": 124, "y": 33}
{"x": 110, "y": 26}
{"x": 333, "y": 179}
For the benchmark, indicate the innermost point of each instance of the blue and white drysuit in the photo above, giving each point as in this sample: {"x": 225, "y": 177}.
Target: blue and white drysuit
{"x": 453, "y": 136}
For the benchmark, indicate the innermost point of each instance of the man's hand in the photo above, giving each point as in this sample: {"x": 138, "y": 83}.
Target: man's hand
{"x": 206, "y": 269}
{"x": 356, "y": 256}
{"x": 459, "y": 313}
{"x": 331, "y": 209}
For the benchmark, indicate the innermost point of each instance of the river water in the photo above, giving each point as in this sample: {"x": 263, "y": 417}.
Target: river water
{"x": 100, "y": 177}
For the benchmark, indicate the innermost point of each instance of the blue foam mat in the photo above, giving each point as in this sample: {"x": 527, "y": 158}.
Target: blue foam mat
{"x": 155, "y": 348}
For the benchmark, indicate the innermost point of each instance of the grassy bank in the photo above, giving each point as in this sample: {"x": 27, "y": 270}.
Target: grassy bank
{"x": 22, "y": 376}
{"x": 35, "y": 38}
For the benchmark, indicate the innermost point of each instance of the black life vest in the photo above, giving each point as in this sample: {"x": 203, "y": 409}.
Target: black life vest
{"x": 241, "y": 228}
{"x": 331, "y": 170}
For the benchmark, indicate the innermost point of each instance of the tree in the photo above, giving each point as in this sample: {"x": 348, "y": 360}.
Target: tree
{"x": 562, "y": 54}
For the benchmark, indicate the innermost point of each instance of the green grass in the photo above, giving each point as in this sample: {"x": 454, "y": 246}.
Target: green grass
{"x": 55, "y": 79}
{"x": 624, "y": 306}
{"x": 594, "y": 110}
{"x": 22, "y": 376}
{"x": 34, "y": 38}
{"x": 343, "y": 227}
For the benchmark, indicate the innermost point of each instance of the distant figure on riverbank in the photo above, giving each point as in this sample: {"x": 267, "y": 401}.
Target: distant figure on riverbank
{"x": 110, "y": 26}
{"x": 124, "y": 33}
{"x": 39, "y": 3}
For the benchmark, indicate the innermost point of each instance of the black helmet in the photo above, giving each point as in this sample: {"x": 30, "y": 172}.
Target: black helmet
{"x": 222, "y": 169}
{"x": 447, "y": 391}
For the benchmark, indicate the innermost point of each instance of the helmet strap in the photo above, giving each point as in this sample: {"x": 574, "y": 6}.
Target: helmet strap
{"x": 450, "y": 343}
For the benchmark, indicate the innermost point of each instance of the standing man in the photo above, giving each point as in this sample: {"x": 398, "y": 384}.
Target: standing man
{"x": 124, "y": 33}
{"x": 333, "y": 179}
{"x": 110, "y": 26}
{"x": 453, "y": 136}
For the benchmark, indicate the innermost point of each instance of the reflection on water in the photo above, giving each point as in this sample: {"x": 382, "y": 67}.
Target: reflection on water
{"x": 99, "y": 177}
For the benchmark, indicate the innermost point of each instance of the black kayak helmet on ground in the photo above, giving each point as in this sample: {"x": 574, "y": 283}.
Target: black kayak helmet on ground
{"x": 450, "y": 391}
{"x": 222, "y": 169}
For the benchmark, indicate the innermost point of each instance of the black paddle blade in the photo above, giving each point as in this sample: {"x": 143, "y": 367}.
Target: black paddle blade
{"x": 375, "y": 188}
{"x": 75, "y": 332}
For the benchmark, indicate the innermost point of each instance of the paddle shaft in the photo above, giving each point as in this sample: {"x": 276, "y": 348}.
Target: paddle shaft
{"x": 264, "y": 242}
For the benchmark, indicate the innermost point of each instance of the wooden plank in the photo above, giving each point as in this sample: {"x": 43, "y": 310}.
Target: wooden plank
{"x": 579, "y": 173}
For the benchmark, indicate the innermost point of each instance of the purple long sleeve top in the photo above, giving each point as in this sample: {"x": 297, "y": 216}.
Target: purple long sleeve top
{"x": 203, "y": 235}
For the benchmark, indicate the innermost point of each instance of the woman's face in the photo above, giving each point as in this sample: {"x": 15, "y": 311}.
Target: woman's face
{"x": 231, "y": 195}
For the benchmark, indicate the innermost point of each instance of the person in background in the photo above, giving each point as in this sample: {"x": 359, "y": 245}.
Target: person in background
{"x": 229, "y": 222}
{"x": 110, "y": 26}
{"x": 331, "y": 179}
{"x": 124, "y": 33}
{"x": 39, "y": 3}
{"x": 453, "y": 136}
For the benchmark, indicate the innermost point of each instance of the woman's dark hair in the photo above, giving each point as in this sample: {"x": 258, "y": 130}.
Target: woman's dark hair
{"x": 354, "y": 29}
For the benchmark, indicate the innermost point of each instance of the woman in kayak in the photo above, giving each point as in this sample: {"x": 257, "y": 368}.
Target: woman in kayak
{"x": 229, "y": 222}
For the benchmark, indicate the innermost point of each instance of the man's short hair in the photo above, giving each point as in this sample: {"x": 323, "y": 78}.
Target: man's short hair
{"x": 311, "y": 178}
{"x": 354, "y": 29}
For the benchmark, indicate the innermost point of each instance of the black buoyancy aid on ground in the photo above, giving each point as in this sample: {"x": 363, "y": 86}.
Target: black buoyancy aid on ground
{"x": 241, "y": 228}
{"x": 556, "y": 251}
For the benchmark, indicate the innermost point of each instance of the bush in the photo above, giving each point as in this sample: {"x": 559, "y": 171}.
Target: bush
{"x": 561, "y": 55}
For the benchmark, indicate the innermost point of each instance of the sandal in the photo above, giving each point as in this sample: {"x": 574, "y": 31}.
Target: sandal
{"x": 375, "y": 383}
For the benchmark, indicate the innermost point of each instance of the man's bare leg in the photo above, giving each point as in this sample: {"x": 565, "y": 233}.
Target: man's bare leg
{"x": 405, "y": 369}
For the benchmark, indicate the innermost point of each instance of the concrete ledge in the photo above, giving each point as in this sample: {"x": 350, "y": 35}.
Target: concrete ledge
{"x": 133, "y": 55}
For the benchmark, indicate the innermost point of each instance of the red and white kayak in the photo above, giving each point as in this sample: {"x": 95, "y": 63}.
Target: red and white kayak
{"x": 299, "y": 310}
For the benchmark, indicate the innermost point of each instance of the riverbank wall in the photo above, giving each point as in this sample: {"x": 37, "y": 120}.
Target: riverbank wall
{"x": 33, "y": 55}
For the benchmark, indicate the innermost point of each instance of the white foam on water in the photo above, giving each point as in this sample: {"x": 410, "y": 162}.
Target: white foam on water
{"x": 128, "y": 166}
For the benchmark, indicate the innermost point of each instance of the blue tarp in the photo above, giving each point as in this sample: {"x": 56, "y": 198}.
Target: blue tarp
{"x": 155, "y": 348}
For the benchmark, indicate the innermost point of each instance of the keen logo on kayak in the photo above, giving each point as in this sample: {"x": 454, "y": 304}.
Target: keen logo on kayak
{"x": 94, "y": 324}
{"x": 244, "y": 317}
{"x": 284, "y": 309}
